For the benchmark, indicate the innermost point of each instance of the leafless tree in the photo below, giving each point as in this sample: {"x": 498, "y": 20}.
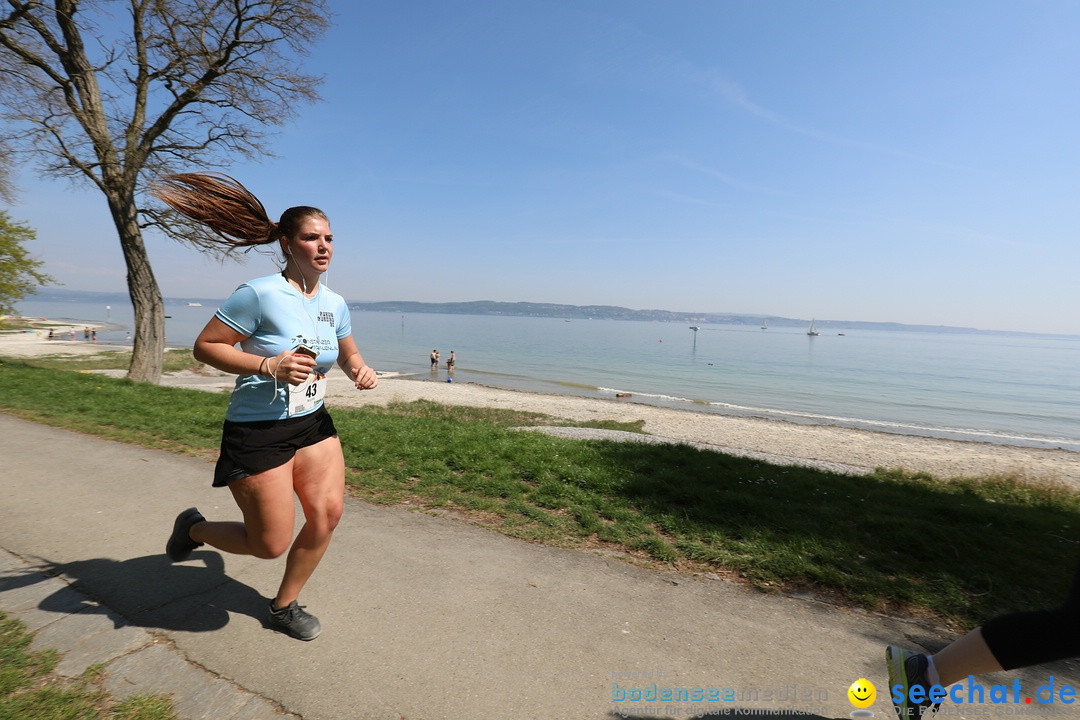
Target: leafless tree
{"x": 7, "y": 192}
{"x": 117, "y": 92}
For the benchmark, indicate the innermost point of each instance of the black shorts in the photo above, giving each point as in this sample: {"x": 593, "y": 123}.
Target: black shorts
{"x": 249, "y": 448}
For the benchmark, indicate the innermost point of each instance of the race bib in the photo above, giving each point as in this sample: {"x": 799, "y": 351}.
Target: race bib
{"x": 306, "y": 396}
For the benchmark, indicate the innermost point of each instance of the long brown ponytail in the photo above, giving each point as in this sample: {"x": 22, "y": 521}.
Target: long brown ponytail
{"x": 228, "y": 208}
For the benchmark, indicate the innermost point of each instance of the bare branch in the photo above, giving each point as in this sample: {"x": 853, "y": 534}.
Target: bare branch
{"x": 117, "y": 103}
{"x": 201, "y": 77}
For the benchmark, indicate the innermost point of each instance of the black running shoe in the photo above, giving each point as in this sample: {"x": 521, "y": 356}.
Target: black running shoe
{"x": 180, "y": 544}
{"x": 294, "y": 620}
{"x": 906, "y": 669}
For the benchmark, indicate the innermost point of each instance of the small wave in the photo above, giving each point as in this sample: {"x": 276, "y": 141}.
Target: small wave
{"x": 902, "y": 428}
{"x": 575, "y": 385}
{"x": 654, "y": 396}
{"x": 894, "y": 427}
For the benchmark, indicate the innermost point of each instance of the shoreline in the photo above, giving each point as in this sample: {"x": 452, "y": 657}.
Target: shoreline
{"x": 775, "y": 440}
{"x": 783, "y": 416}
{"x": 778, "y": 441}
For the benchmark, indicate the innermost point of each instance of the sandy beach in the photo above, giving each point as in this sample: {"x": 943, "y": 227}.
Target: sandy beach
{"x": 841, "y": 449}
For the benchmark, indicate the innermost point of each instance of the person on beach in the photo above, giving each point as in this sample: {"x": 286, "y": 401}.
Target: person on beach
{"x": 434, "y": 359}
{"x": 1006, "y": 642}
{"x": 278, "y": 439}
{"x": 451, "y": 361}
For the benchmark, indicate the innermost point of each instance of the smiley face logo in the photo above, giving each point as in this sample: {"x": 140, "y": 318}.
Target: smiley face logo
{"x": 862, "y": 693}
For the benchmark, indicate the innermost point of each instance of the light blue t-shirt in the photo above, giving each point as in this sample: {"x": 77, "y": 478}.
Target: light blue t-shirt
{"x": 274, "y": 316}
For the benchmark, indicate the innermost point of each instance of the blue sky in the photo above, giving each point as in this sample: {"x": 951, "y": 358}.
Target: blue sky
{"x": 908, "y": 162}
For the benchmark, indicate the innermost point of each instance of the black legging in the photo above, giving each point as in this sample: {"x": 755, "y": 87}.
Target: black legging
{"x": 1033, "y": 638}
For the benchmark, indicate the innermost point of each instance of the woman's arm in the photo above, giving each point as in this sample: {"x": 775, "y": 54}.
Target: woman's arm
{"x": 352, "y": 363}
{"x": 216, "y": 346}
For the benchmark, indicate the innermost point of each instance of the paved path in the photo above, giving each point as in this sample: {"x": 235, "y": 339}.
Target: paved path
{"x": 423, "y": 617}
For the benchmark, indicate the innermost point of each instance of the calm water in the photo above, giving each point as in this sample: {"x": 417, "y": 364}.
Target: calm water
{"x": 1011, "y": 389}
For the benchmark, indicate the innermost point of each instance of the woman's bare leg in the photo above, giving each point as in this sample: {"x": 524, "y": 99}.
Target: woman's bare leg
{"x": 319, "y": 482}
{"x": 968, "y": 655}
{"x": 266, "y": 501}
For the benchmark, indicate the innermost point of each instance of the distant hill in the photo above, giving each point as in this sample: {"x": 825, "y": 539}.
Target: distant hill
{"x": 53, "y": 294}
{"x": 528, "y": 309}
{"x": 553, "y": 310}
{"x": 613, "y": 312}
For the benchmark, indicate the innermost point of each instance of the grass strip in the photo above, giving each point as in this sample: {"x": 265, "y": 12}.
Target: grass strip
{"x": 959, "y": 550}
{"x": 28, "y": 690}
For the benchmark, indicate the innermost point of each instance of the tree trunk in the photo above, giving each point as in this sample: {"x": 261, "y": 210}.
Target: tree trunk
{"x": 147, "y": 357}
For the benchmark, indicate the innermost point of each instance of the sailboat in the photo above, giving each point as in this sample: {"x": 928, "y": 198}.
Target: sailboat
{"x": 765, "y": 324}
{"x": 812, "y": 332}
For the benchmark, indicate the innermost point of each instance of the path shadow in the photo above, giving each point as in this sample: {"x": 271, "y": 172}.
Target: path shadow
{"x": 149, "y": 591}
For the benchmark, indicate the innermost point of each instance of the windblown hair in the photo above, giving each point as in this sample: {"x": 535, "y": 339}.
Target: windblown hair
{"x": 228, "y": 208}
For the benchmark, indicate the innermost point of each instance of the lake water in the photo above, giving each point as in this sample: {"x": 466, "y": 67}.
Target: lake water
{"x": 999, "y": 388}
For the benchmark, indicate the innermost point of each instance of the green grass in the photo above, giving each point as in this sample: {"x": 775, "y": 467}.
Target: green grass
{"x": 28, "y": 690}
{"x": 959, "y": 550}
